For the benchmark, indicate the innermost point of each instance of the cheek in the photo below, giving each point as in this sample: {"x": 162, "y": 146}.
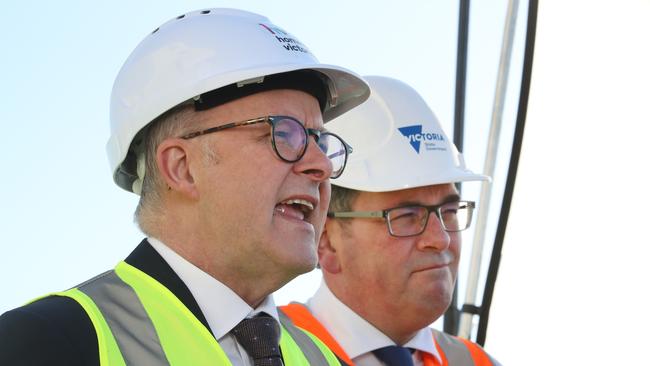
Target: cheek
{"x": 325, "y": 190}
{"x": 455, "y": 250}
{"x": 455, "y": 246}
{"x": 382, "y": 261}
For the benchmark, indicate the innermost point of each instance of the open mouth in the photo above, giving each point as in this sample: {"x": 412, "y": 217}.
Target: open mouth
{"x": 295, "y": 208}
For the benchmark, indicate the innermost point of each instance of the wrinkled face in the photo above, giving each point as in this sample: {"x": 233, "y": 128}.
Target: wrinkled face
{"x": 409, "y": 277}
{"x": 259, "y": 216}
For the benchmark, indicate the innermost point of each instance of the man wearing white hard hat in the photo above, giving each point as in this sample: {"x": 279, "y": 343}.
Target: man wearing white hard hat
{"x": 217, "y": 123}
{"x": 391, "y": 245}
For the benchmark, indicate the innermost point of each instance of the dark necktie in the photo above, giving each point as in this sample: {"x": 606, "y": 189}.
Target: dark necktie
{"x": 260, "y": 337}
{"x": 394, "y": 356}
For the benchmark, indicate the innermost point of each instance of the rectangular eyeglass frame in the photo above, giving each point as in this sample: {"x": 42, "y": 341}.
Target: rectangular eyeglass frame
{"x": 384, "y": 214}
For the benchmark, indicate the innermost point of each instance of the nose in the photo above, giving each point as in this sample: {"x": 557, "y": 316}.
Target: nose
{"x": 314, "y": 164}
{"x": 434, "y": 236}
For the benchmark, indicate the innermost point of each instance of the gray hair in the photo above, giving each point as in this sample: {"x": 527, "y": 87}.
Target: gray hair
{"x": 172, "y": 123}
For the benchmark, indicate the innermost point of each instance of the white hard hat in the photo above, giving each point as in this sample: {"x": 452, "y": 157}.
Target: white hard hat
{"x": 203, "y": 51}
{"x": 398, "y": 142}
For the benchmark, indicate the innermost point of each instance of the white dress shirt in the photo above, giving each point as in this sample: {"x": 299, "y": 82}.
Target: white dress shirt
{"x": 221, "y": 306}
{"x": 358, "y": 337}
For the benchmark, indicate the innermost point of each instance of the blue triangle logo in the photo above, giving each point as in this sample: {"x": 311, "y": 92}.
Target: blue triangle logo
{"x": 411, "y": 133}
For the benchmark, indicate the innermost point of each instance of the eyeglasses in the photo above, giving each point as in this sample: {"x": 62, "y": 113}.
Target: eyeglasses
{"x": 412, "y": 220}
{"x": 290, "y": 139}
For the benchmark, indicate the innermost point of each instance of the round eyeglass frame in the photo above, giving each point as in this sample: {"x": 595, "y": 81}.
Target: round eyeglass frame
{"x": 272, "y": 121}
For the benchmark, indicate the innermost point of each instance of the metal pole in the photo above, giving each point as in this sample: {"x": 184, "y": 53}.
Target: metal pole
{"x": 451, "y": 318}
{"x": 461, "y": 73}
{"x": 490, "y": 162}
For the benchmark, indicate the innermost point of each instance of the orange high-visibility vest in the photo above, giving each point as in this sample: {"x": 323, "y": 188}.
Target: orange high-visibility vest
{"x": 454, "y": 351}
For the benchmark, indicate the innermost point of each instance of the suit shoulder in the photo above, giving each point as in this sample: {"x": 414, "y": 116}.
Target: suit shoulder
{"x": 51, "y": 331}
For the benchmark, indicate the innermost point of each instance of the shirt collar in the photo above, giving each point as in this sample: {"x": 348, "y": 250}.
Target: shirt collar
{"x": 221, "y": 306}
{"x": 355, "y": 334}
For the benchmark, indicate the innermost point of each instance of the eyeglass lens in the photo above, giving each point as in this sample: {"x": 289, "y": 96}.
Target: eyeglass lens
{"x": 335, "y": 150}
{"x": 412, "y": 220}
{"x": 290, "y": 141}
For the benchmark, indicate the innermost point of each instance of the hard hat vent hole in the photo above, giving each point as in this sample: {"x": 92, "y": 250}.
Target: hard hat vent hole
{"x": 180, "y": 16}
{"x": 155, "y": 30}
{"x": 205, "y": 12}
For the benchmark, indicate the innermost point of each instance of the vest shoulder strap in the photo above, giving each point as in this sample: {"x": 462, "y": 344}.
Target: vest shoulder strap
{"x": 316, "y": 354}
{"x": 303, "y": 318}
{"x": 127, "y": 304}
{"x": 459, "y": 351}
{"x": 184, "y": 339}
{"x": 109, "y": 352}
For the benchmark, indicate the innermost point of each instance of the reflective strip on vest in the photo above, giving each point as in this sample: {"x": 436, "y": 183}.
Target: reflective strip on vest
{"x": 478, "y": 355}
{"x": 308, "y": 347}
{"x": 303, "y": 318}
{"x": 133, "y": 331}
{"x": 138, "y": 321}
{"x": 109, "y": 352}
{"x": 456, "y": 351}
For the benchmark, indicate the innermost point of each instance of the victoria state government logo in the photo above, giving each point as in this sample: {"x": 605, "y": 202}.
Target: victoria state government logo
{"x": 415, "y": 137}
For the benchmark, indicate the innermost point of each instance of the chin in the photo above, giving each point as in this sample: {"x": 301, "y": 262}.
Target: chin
{"x": 298, "y": 265}
{"x": 431, "y": 310}
{"x": 308, "y": 264}
{"x": 437, "y": 300}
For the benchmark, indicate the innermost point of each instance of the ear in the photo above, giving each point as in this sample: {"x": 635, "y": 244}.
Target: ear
{"x": 328, "y": 257}
{"x": 172, "y": 157}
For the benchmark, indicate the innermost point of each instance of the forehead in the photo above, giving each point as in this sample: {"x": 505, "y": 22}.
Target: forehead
{"x": 427, "y": 195}
{"x": 294, "y": 103}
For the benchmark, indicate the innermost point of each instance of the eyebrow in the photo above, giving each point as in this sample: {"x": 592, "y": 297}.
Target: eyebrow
{"x": 321, "y": 128}
{"x": 447, "y": 199}
{"x": 303, "y": 122}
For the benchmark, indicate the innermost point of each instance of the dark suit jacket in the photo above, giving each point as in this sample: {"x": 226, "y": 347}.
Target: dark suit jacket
{"x": 56, "y": 330}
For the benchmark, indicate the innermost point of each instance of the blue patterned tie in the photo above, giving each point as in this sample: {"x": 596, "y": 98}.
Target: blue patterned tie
{"x": 394, "y": 356}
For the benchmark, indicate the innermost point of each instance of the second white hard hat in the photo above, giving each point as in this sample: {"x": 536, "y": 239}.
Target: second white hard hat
{"x": 202, "y": 51}
{"x": 398, "y": 142}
